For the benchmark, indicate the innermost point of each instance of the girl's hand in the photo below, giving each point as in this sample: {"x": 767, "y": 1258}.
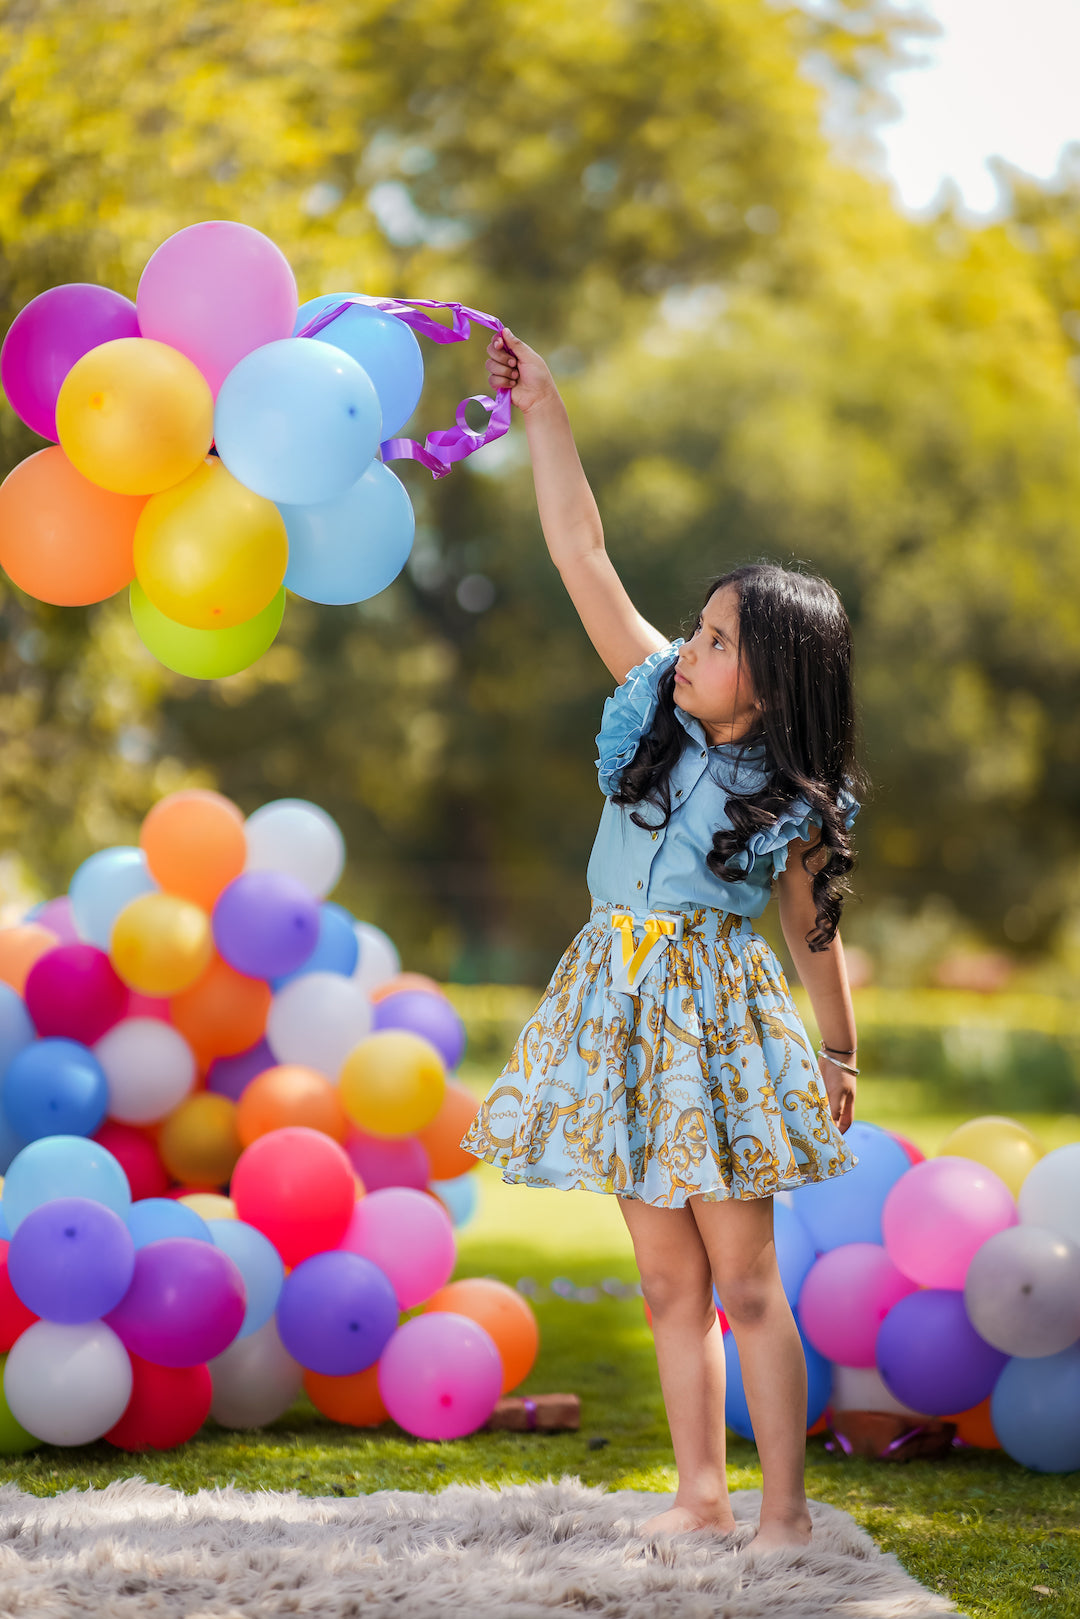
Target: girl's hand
{"x": 840, "y": 1089}
{"x": 513, "y": 364}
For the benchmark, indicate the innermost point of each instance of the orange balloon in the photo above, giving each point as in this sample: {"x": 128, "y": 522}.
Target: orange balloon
{"x": 20, "y": 947}
{"x": 287, "y": 1095}
{"x": 976, "y": 1426}
{"x": 62, "y": 538}
{"x": 440, "y": 1139}
{"x": 400, "y": 981}
{"x": 198, "y": 1141}
{"x": 500, "y": 1311}
{"x": 194, "y": 842}
{"x": 224, "y": 1013}
{"x": 354, "y": 1400}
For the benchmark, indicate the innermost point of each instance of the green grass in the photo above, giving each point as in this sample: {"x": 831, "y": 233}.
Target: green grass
{"x": 975, "y": 1526}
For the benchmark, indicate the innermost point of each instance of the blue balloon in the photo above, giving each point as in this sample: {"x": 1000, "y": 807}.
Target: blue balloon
{"x": 794, "y": 1252}
{"x": 349, "y": 549}
{"x": 848, "y": 1207}
{"x": 389, "y": 353}
{"x": 258, "y": 1262}
{"x": 337, "y": 949}
{"x": 152, "y": 1219}
{"x": 63, "y": 1166}
{"x": 325, "y": 300}
{"x": 101, "y": 888}
{"x": 1035, "y": 1409}
{"x": 17, "y": 1029}
{"x": 5, "y": 1229}
{"x": 297, "y": 421}
{"x": 71, "y": 1260}
{"x": 818, "y": 1387}
{"x": 337, "y": 1312}
{"x": 461, "y": 1197}
{"x": 55, "y": 1088}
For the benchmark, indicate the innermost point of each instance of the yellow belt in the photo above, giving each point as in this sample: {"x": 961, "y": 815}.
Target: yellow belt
{"x": 629, "y": 961}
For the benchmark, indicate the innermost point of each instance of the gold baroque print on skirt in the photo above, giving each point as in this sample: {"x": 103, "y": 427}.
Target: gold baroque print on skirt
{"x": 700, "y": 1082}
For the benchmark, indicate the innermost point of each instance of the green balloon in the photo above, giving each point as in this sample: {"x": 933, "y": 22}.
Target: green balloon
{"x": 204, "y": 654}
{"x": 14, "y": 1439}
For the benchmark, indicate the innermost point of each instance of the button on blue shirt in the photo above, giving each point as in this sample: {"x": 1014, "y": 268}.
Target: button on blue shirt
{"x": 663, "y": 868}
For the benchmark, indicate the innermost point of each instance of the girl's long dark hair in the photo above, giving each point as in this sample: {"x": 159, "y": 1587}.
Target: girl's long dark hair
{"x": 795, "y": 645}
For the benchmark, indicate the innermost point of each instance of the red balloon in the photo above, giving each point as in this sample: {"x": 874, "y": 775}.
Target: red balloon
{"x": 915, "y": 1154}
{"x": 14, "y": 1316}
{"x": 168, "y": 1406}
{"x": 296, "y": 1186}
{"x": 137, "y": 1156}
{"x": 147, "y": 1006}
{"x": 73, "y": 992}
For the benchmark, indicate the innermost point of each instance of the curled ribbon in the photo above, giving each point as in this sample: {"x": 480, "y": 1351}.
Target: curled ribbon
{"x": 442, "y": 449}
{"x": 636, "y": 960}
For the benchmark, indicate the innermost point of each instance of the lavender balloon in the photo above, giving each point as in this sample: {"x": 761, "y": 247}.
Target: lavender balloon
{"x": 46, "y": 338}
{"x": 930, "y": 1356}
{"x": 440, "y": 1376}
{"x": 336, "y": 1313}
{"x": 266, "y": 924}
{"x": 229, "y": 1076}
{"x": 71, "y": 1260}
{"x": 185, "y": 1305}
{"x": 432, "y": 1016}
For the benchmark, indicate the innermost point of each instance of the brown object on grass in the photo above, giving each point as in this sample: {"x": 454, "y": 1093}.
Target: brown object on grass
{"x": 891, "y": 1437}
{"x": 537, "y": 1413}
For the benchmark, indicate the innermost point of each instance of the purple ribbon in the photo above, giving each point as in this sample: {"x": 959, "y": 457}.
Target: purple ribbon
{"x": 530, "y": 1414}
{"x": 442, "y": 449}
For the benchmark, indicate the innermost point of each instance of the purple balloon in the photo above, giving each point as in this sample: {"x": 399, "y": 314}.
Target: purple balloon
{"x": 185, "y": 1305}
{"x": 432, "y": 1016}
{"x": 56, "y": 915}
{"x": 71, "y": 1260}
{"x": 230, "y": 1076}
{"x": 266, "y": 923}
{"x": 46, "y": 338}
{"x": 336, "y": 1313}
{"x": 379, "y": 1162}
{"x": 930, "y": 1356}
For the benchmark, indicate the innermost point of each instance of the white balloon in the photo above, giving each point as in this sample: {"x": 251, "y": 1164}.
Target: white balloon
{"x": 317, "y": 1020}
{"x": 1022, "y": 1291}
{"x": 149, "y": 1067}
{"x": 68, "y": 1385}
{"x": 860, "y": 1388}
{"x": 297, "y": 837}
{"x": 1050, "y": 1194}
{"x": 255, "y": 1380}
{"x": 378, "y": 959}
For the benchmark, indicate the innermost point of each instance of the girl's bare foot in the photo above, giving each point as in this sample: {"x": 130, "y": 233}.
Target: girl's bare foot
{"x": 682, "y": 1520}
{"x": 781, "y": 1533}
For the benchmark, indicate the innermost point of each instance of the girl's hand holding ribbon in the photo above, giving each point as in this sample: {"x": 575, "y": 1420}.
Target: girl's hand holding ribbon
{"x": 513, "y": 364}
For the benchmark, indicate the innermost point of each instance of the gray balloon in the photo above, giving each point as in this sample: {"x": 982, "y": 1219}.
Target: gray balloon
{"x": 1022, "y": 1291}
{"x": 255, "y": 1380}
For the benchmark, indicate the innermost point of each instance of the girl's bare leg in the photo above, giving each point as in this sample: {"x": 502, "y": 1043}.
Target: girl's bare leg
{"x": 738, "y": 1237}
{"x": 677, "y": 1284}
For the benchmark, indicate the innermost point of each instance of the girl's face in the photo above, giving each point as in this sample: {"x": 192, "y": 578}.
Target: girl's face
{"x": 711, "y": 682}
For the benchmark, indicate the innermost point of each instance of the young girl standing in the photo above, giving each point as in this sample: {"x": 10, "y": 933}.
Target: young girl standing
{"x": 666, "y": 1062}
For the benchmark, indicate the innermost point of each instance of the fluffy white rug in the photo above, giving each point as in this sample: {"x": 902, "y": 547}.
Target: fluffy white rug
{"x": 141, "y": 1551}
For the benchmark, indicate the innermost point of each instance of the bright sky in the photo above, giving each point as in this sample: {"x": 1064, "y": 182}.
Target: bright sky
{"x": 1004, "y": 80}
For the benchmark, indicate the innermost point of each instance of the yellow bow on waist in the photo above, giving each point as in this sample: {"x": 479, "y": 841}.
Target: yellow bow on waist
{"x": 629, "y": 961}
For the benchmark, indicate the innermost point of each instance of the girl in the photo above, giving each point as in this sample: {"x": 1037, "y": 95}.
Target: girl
{"x": 666, "y": 1062}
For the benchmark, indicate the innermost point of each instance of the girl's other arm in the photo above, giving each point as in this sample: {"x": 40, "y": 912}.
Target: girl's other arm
{"x": 568, "y": 511}
{"x": 823, "y": 974}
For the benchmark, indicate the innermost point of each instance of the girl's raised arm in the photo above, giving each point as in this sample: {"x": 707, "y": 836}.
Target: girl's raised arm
{"x": 568, "y": 512}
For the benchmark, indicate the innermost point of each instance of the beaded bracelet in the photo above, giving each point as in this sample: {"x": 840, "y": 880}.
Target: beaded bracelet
{"x": 847, "y": 1067}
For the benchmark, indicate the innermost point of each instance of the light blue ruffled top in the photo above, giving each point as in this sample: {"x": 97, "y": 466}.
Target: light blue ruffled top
{"x": 663, "y": 869}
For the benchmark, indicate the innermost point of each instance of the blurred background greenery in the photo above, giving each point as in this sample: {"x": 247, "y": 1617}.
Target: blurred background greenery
{"x": 762, "y": 357}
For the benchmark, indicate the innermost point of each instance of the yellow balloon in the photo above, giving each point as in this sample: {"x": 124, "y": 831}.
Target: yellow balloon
{"x": 135, "y": 416}
{"x": 392, "y": 1083}
{"x": 198, "y": 1142}
{"x": 210, "y": 1205}
{"x": 1008, "y": 1148}
{"x": 210, "y": 553}
{"x": 161, "y": 944}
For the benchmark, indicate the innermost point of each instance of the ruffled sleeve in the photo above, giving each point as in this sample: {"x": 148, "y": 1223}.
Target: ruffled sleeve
{"x": 795, "y": 822}
{"x": 628, "y": 714}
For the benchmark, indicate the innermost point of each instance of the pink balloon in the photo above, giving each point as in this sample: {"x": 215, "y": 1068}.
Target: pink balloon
{"x": 440, "y": 1376}
{"x": 409, "y": 1236}
{"x": 216, "y": 291}
{"x": 147, "y": 1006}
{"x": 846, "y": 1296}
{"x": 46, "y": 338}
{"x": 938, "y": 1215}
{"x": 57, "y": 917}
{"x": 73, "y": 993}
{"x": 380, "y": 1163}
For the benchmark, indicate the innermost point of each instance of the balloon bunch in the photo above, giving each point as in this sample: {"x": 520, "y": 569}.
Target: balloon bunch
{"x": 195, "y": 1013}
{"x": 927, "y": 1287}
{"x": 216, "y": 445}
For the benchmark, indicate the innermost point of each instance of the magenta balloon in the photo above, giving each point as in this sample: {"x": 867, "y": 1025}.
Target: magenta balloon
{"x": 56, "y": 916}
{"x": 431, "y": 1016}
{"x": 230, "y": 1076}
{"x": 74, "y": 993}
{"x": 185, "y": 1305}
{"x": 409, "y": 1236}
{"x": 46, "y": 338}
{"x": 215, "y": 291}
{"x": 381, "y": 1163}
{"x": 440, "y": 1376}
{"x": 930, "y": 1356}
{"x": 938, "y": 1215}
{"x": 846, "y": 1296}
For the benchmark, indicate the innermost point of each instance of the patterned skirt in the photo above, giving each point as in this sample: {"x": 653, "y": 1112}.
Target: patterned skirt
{"x": 665, "y": 1060}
